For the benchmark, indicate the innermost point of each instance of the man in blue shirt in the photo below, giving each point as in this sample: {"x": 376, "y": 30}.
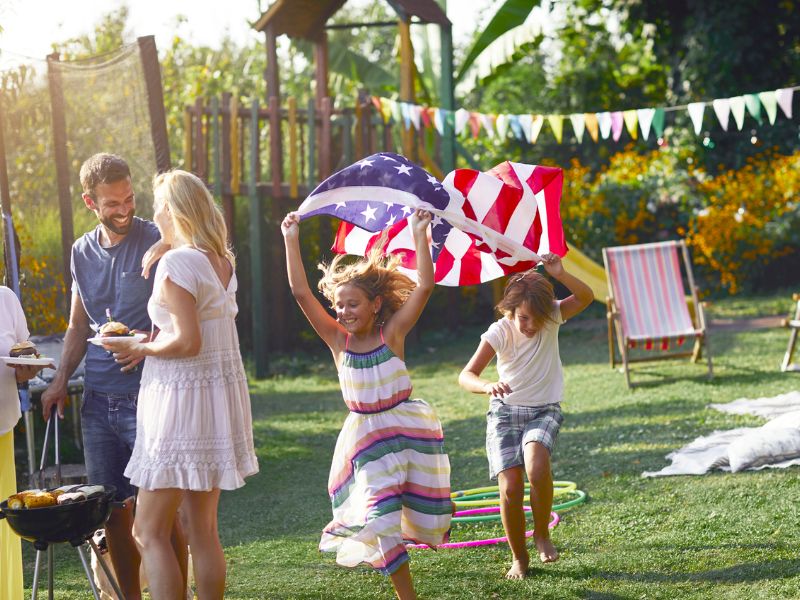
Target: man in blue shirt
{"x": 106, "y": 265}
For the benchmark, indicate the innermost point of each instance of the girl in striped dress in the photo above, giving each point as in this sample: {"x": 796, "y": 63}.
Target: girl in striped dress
{"x": 390, "y": 477}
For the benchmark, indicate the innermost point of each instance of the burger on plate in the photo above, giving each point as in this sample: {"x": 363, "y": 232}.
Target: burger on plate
{"x": 113, "y": 329}
{"x": 24, "y": 349}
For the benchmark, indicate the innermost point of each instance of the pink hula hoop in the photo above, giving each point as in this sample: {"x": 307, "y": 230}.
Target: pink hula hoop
{"x": 554, "y": 519}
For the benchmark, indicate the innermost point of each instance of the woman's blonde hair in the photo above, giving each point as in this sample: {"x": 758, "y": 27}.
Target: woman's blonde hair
{"x": 532, "y": 289}
{"x": 197, "y": 218}
{"x": 375, "y": 274}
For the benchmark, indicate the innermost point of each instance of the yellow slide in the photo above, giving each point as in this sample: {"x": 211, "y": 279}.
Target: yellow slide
{"x": 588, "y": 271}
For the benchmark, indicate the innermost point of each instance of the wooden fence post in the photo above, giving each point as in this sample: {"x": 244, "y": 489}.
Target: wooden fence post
{"x": 257, "y": 300}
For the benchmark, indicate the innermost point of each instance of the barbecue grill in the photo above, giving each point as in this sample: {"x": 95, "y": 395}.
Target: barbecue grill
{"x": 72, "y": 523}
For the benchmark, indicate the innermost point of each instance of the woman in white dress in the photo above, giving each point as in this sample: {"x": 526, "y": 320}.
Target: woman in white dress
{"x": 194, "y": 429}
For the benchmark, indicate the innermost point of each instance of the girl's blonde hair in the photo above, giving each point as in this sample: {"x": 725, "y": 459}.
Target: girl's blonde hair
{"x": 533, "y": 289}
{"x": 197, "y": 218}
{"x": 375, "y": 274}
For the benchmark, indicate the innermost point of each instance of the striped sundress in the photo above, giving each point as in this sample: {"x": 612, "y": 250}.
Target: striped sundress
{"x": 390, "y": 477}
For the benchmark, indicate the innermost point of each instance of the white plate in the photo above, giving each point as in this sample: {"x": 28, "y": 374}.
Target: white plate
{"x": 42, "y": 361}
{"x": 136, "y": 337}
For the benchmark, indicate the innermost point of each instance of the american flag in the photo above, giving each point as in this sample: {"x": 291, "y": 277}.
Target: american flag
{"x": 485, "y": 225}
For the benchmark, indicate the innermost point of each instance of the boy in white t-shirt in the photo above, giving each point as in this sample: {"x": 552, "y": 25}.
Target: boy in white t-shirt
{"x": 525, "y": 414}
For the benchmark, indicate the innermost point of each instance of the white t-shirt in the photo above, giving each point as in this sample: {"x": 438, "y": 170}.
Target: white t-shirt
{"x": 531, "y": 366}
{"x": 13, "y": 329}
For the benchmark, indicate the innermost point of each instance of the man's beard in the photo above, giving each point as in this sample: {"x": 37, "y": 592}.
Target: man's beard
{"x": 113, "y": 227}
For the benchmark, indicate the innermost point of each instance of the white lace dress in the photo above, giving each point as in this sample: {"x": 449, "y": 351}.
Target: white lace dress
{"x": 194, "y": 429}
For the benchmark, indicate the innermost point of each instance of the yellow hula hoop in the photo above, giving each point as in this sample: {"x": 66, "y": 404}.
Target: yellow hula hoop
{"x": 463, "y": 497}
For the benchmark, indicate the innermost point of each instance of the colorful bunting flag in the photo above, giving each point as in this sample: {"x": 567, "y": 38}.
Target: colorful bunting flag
{"x": 536, "y": 127}
{"x": 737, "y": 109}
{"x": 696, "y": 110}
{"x": 784, "y": 98}
{"x": 578, "y": 125}
{"x": 604, "y": 120}
{"x": 591, "y": 125}
{"x": 616, "y": 125}
{"x": 770, "y": 104}
{"x": 722, "y": 108}
{"x": 557, "y": 125}
{"x": 645, "y": 120}
{"x": 631, "y": 123}
{"x": 753, "y": 105}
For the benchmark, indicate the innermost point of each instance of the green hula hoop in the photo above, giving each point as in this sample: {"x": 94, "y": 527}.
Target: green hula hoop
{"x": 581, "y": 497}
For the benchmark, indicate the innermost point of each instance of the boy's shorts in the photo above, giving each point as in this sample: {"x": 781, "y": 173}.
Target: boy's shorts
{"x": 510, "y": 427}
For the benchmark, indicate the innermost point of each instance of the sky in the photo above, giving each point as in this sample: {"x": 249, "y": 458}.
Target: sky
{"x": 30, "y": 26}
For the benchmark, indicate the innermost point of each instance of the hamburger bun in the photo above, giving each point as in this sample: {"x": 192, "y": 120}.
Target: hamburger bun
{"x": 113, "y": 329}
{"x": 23, "y": 349}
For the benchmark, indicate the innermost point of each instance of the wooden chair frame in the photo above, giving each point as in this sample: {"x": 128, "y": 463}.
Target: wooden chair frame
{"x": 696, "y": 313}
{"x": 794, "y": 325}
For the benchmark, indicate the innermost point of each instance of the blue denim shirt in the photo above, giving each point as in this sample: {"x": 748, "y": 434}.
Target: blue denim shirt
{"x": 111, "y": 278}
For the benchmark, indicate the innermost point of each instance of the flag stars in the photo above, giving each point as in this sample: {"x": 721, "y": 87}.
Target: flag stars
{"x": 369, "y": 213}
{"x": 340, "y": 205}
{"x": 407, "y": 210}
{"x": 390, "y": 222}
{"x": 404, "y": 170}
{"x": 432, "y": 180}
{"x": 437, "y": 220}
{"x": 364, "y": 163}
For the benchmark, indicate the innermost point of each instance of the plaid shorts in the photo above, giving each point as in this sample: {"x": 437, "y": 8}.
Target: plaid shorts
{"x": 509, "y": 427}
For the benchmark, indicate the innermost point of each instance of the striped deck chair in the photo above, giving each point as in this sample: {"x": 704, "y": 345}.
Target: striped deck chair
{"x": 648, "y": 307}
{"x": 794, "y": 326}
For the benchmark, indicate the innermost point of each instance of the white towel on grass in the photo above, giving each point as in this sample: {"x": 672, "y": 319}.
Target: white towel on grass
{"x": 712, "y": 451}
{"x": 768, "y": 408}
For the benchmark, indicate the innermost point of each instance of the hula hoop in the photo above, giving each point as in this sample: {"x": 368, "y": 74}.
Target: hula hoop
{"x": 570, "y": 486}
{"x": 554, "y": 519}
{"x": 492, "y": 513}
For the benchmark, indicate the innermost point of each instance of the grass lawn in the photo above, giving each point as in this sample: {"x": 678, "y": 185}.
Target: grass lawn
{"x": 714, "y": 536}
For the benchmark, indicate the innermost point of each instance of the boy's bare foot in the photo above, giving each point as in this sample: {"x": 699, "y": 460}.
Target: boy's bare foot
{"x": 518, "y": 569}
{"x": 547, "y": 551}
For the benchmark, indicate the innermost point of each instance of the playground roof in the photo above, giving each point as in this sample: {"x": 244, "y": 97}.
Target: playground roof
{"x": 306, "y": 18}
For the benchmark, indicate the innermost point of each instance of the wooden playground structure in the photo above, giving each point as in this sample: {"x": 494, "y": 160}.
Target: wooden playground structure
{"x": 274, "y": 153}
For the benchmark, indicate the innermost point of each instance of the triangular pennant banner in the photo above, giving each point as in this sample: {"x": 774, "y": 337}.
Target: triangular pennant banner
{"x": 502, "y": 126}
{"x": 770, "y": 104}
{"x": 631, "y": 123}
{"x": 438, "y": 120}
{"x": 645, "y": 120}
{"x": 578, "y": 125}
{"x": 536, "y": 127}
{"x": 722, "y": 108}
{"x": 658, "y": 122}
{"x": 591, "y": 125}
{"x": 386, "y": 109}
{"x": 416, "y": 112}
{"x": 753, "y": 105}
{"x": 557, "y": 125}
{"x": 515, "y": 127}
{"x": 406, "y": 114}
{"x": 474, "y": 124}
{"x": 525, "y": 122}
{"x": 784, "y": 97}
{"x": 462, "y": 116}
{"x": 737, "y": 110}
{"x": 488, "y": 124}
{"x": 426, "y": 115}
{"x": 696, "y": 110}
{"x": 604, "y": 120}
{"x": 616, "y": 125}
{"x": 394, "y": 109}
